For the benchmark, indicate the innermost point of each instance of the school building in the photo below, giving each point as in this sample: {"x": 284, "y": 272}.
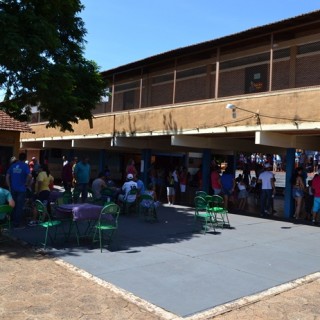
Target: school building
{"x": 254, "y": 91}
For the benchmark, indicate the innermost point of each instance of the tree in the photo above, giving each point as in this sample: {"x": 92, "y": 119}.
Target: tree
{"x": 42, "y": 63}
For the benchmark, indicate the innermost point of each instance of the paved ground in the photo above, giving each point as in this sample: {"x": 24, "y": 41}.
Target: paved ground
{"x": 268, "y": 269}
{"x": 34, "y": 286}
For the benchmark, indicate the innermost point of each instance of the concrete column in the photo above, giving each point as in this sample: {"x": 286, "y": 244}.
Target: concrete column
{"x": 102, "y": 160}
{"x": 288, "y": 200}
{"x": 206, "y": 161}
{"x": 146, "y": 158}
{"x": 232, "y": 162}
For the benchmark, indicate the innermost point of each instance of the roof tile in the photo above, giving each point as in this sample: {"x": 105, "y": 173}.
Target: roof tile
{"x": 10, "y": 124}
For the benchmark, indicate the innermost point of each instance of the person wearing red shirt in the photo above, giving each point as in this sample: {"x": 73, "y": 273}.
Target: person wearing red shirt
{"x": 216, "y": 180}
{"x": 316, "y": 201}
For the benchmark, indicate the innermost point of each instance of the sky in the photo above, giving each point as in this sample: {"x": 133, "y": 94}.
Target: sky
{"x": 124, "y": 31}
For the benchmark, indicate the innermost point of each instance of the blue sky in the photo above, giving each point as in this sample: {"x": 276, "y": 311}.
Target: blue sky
{"x": 123, "y": 31}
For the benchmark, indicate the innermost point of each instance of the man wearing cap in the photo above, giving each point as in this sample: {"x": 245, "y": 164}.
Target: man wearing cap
{"x": 126, "y": 188}
{"x": 266, "y": 178}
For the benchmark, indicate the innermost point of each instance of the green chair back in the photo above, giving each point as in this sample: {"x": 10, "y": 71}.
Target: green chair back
{"x": 217, "y": 201}
{"x": 107, "y": 223}
{"x": 45, "y": 221}
{"x": 5, "y": 216}
{"x": 203, "y": 213}
{"x": 201, "y": 194}
{"x": 221, "y": 213}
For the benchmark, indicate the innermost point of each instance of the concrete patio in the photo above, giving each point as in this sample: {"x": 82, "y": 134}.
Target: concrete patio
{"x": 176, "y": 268}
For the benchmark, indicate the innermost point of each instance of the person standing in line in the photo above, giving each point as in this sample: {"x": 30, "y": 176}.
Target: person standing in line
{"x": 18, "y": 177}
{"x": 131, "y": 168}
{"x": 316, "y": 197}
{"x": 216, "y": 180}
{"x": 67, "y": 176}
{"x": 82, "y": 173}
{"x": 170, "y": 188}
{"x": 228, "y": 184}
{"x": 175, "y": 175}
{"x": 298, "y": 188}
{"x": 303, "y": 159}
{"x": 246, "y": 174}
{"x": 266, "y": 179}
{"x": 242, "y": 195}
{"x": 315, "y": 161}
{"x": 64, "y": 161}
{"x": 74, "y": 181}
{"x": 183, "y": 180}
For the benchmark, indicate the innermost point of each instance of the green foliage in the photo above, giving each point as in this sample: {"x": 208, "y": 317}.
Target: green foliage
{"x": 42, "y": 63}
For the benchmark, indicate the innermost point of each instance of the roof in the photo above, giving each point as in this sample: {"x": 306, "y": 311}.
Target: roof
{"x": 9, "y": 124}
{"x": 303, "y": 19}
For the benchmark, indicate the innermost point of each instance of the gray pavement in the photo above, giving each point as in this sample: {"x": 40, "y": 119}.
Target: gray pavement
{"x": 174, "y": 268}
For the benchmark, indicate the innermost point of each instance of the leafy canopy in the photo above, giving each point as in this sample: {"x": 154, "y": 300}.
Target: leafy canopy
{"x": 42, "y": 63}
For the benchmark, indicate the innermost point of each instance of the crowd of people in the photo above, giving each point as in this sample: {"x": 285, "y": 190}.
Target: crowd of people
{"x": 305, "y": 193}
{"x": 32, "y": 180}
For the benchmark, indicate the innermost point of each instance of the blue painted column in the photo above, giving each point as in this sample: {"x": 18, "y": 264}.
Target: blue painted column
{"x": 102, "y": 160}
{"x": 288, "y": 200}
{"x": 232, "y": 163}
{"x": 145, "y": 167}
{"x": 206, "y": 161}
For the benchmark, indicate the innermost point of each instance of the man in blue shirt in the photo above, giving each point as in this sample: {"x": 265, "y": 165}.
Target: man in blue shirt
{"x": 17, "y": 178}
{"x": 82, "y": 172}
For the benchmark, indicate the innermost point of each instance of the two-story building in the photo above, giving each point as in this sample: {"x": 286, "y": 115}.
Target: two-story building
{"x": 253, "y": 91}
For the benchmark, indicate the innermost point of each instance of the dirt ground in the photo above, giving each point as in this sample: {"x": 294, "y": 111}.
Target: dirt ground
{"x": 36, "y": 286}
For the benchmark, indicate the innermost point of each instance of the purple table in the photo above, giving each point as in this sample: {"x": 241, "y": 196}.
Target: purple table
{"x": 80, "y": 211}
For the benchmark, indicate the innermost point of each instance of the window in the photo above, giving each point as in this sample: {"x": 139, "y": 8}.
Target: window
{"x": 128, "y": 100}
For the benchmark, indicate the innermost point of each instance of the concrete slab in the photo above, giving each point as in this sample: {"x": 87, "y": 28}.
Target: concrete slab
{"x": 174, "y": 266}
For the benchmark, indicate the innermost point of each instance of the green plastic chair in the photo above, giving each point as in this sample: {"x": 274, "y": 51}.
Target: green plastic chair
{"x": 5, "y": 217}
{"x": 148, "y": 213}
{"x": 46, "y": 222}
{"x": 203, "y": 214}
{"x": 200, "y": 193}
{"x": 66, "y": 218}
{"x": 221, "y": 214}
{"x": 108, "y": 223}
